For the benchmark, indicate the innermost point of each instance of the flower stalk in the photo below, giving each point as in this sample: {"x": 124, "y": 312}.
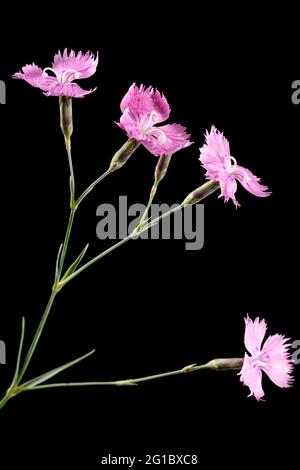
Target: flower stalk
{"x": 215, "y": 365}
{"x": 66, "y": 125}
{"x": 202, "y": 192}
{"x": 159, "y": 173}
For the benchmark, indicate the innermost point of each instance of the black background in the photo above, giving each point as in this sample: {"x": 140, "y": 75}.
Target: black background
{"x": 150, "y": 306}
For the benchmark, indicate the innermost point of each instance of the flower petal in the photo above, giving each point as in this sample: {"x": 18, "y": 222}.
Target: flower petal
{"x": 71, "y": 90}
{"x": 228, "y": 188}
{"x": 214, "y": 152}
{"x": 254, "y": 334}
{"x": 84, "y": 65}
{"x": 222, "y": 167}
{"x": 276, "y": 355}
{"x": 251, "y": 376}
{"x": 167, "y": 139}
{"x": 34, "y": 75}
{"x": 250, "y": 182}
{"x": 145, "y": 103}
{"x": 131, "y": 126}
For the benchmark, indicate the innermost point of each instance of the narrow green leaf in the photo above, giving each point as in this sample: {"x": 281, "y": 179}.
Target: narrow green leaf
{"x": 57, "y": 266}
{"x": 74, "y": 265}
{"x": 48, "y": 375}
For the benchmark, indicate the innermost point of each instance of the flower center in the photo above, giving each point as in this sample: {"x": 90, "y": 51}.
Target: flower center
{"x": 231, "y": 167}
{"x": 65, "y": 76}
{"x": 260, "y": 359}
{"x": 149, "y": 129}
{"x": 230, "y": 164}
{"x": 259, "y": 363}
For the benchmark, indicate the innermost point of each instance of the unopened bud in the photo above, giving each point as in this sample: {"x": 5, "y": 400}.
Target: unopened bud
{"x": 161, "y": 168}
{"x": 122, "y": 155}
{"x": 201, "y": 193}
{"x": 225, "y": 364}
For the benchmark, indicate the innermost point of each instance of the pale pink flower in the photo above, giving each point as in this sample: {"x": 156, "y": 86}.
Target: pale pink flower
{"x": 66, "y": 68}
{"x": 273, "y": 358}
{"x": 144, "y": 108}
{"x": 222, "y": 167}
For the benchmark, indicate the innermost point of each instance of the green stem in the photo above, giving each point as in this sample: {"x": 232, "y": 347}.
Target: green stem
{"x": 159, "y": 173}
{"x": 16, "y": 389}
{"x": 66, "y": 125}
{"x": 94, "y": 260}
{"x": 51, "y": 373}
{"x": 161, "y": 217}
{"x": 66, "y": 243}
{"x": 216, "y": 364}
{"x": 72, "y": 177}
{"x": 74, "y": 206}
{"x": 91, "y": 187}
{"x": 61, "y": 265}
{"x": 204, "y": 194}
{"x": 115, "y": 246}
{"x": 151, "y": 197}
{"x": 4, "y": 401}
{"x": 66, "y": 122}
{"x": 135, "y": 381}
{"x": 201, "y": 193}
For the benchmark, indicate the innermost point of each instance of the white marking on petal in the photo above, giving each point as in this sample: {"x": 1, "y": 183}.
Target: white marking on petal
{"x": 158, "y": 133}
{"x": 66, "y": 79}
{"x": 147, "y": 124}
{"x": 62, "y": 77}
{"x": 230, "y": 164}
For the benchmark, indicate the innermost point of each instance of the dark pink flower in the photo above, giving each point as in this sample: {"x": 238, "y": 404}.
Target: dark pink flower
{"x": 144, "y": 108}
{"x": 273, "y": 358}
{"x": 66, "y": 68}
{"x": 222, "y": 167}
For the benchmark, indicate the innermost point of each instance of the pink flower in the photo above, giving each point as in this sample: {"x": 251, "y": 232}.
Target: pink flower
{"x": 273, "y": 358}
{"x": 222, "y": 167}
{"x": 143, "y": 108}
{"x": 66, "y": 68}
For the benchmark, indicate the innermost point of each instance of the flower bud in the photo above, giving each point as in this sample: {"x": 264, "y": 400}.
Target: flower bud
{"x": 122, "y": 155}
